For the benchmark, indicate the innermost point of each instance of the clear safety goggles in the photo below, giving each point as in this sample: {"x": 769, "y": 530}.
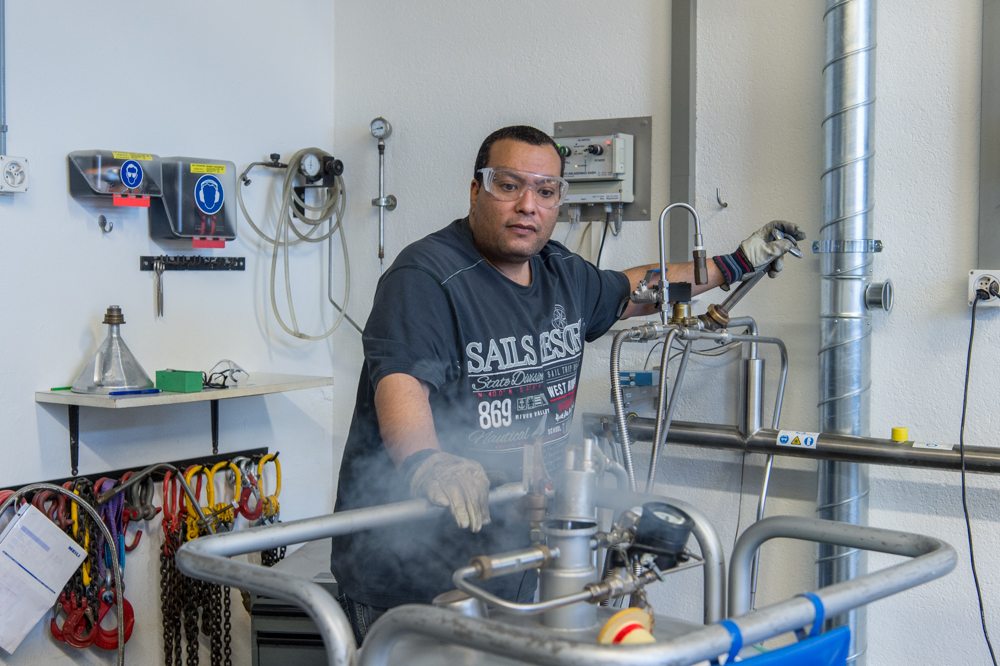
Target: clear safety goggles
{"x": 509, "y": 185}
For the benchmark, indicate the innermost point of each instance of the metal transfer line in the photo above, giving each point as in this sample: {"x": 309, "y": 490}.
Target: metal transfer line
{"x": 932, "y": 559}
{"x": 663, "y": 420}
{"x": 207, "y": 558}
{"x": 845, "y": 448}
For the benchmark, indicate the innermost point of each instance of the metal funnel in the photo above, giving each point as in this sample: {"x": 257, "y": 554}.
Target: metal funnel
{"x": 113, "y": 367}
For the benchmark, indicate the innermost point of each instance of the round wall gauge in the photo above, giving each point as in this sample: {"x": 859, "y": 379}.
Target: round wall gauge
{"x": 381, "y": 129}
{"x": 310, "y": 165}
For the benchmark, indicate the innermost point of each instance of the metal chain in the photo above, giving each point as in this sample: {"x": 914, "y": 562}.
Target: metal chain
{"x": 227, "y": 626}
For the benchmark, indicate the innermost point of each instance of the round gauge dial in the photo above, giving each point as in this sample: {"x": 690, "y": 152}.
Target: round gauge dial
{"x": 310, "y": 165}
{"x": 381, "y": 128}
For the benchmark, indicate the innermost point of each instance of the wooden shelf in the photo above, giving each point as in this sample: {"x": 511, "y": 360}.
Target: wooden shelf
{"x": 256, "y": 384}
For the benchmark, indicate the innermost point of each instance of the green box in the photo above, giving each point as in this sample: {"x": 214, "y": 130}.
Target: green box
{"x": 178, "y": 381}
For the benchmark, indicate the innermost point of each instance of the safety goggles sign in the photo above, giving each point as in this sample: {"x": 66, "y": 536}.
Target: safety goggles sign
{"x": 208, "y": 194}
{"x": 795, "y": 438}
{"x": 131, "y": 174}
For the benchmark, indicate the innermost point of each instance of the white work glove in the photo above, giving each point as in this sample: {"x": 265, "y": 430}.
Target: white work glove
{"x": 455, "y": 482}
{"x": 763, "y": 250}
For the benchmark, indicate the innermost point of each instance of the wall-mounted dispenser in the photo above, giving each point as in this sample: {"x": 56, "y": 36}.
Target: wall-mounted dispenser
{"x": 198, "y": 202}
{"x": 130, "y": 179}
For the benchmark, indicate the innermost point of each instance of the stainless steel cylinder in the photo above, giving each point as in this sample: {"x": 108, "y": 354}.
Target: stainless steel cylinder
{"x": 845, "y": 319}
{"x": 569, "y": 573}
{"x": 462, "y": 603}
{"x": 752, "y": 396}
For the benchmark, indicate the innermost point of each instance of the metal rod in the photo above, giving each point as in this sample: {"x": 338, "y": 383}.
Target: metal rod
{"x": 844, "y": 448}
{"x": 739, "y": 292}
{"x": 3, "y": 80}
{"x": 207, "y": 558}
{"x": 112, "y": 544}
{"x": 381, "y": 207}
{"x": 663, "y": 420}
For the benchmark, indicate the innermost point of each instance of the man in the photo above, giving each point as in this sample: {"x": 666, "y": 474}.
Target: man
{"x": 472, "y": 350}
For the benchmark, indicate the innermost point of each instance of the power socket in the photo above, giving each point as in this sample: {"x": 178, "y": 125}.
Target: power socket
{"x": 983, "y": 280}
{"x": 13, "y": 174}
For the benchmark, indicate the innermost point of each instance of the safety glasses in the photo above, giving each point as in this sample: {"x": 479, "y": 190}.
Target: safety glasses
{"x": 509, "y": 185}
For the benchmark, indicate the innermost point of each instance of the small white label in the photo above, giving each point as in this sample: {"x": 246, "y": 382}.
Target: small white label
{"x": 932, "y": 445}
{"x": 805, "y": 440}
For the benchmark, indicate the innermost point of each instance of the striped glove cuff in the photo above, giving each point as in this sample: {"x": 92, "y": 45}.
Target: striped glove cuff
{"x": 733, "y": 266}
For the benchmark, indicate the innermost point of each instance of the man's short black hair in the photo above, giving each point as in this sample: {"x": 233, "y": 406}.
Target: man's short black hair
{"x": 522, "y": 133}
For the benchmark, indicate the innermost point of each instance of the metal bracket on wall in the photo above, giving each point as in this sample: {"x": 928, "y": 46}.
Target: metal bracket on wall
{"x": 74, "y": 434}
{"x": 195, "y": 262}
{"x": 253, "y": 454}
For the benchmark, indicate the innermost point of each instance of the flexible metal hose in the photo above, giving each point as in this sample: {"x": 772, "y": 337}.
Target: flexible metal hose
{"x": 616, "y": 396}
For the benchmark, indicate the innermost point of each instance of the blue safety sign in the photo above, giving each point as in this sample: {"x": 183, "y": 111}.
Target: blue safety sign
{"x": 131, "y": 174}
{"x": 797, "y": 438}
{"x": 208, "y": 194}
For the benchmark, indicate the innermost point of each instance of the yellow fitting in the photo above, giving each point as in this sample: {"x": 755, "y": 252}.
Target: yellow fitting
{"x": 900, "y": 435}
{"x": 277, "y": 467}
{"x": 631, "y": 626}
{"x": 210, "y": 492}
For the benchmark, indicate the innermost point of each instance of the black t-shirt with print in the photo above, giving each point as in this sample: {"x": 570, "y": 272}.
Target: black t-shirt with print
{"x": 502, "y": 362}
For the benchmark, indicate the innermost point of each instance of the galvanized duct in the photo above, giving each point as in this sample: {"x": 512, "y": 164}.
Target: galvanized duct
{"x": 845, "y": 248}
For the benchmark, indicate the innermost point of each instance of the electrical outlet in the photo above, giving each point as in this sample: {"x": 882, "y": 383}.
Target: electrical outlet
{"x": 13, "y": 174}
{"x": 985, "y": 280}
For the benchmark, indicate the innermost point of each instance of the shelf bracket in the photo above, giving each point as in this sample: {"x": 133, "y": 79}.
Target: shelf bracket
{"x": 74, "y": 438}
{"x": 215, "y": 426}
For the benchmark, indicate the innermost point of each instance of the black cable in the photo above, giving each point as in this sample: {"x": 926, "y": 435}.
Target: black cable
{"x": 980, "y": 295}
{"x": 517, "y": 597}
{"x": 604, "y": 237}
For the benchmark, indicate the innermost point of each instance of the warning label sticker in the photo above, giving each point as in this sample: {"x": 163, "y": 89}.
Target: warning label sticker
{"x": 803, "y": 440}
{"x": 931, "y": 445}
{"x": 131, "y": 156}
{"x": 208, "y": 168}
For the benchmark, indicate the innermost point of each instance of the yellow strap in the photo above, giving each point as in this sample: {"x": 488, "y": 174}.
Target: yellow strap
{"x": 277, "y": 467}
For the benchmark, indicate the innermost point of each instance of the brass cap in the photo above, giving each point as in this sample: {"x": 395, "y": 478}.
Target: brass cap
{"x": 114, "y": 315}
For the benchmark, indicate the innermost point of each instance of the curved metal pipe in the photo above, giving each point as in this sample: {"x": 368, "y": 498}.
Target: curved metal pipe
{"x": 96, "y": 517}
{"x": 207, "y": 558}
{"x": 700, "y": 270}
{"x": 933, "y": 557}
{"x": 616, "y": 397}
{"x": 663, "y": 421}
{"x": 704, "y": 533}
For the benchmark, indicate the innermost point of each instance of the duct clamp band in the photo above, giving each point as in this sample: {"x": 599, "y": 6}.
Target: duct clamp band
{"x": 864, "y": 245}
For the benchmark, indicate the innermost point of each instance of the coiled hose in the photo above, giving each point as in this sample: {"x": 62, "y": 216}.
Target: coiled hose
{"x": 332, "y": 207}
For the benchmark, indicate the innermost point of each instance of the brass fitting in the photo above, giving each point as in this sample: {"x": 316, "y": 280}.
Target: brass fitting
{"x": 114, "y": 315}
{"x": 717, "y": 317}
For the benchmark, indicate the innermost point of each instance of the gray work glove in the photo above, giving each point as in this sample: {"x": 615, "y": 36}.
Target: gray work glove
{"x": 763, "y": 250}
{"x": 455, "y": 482}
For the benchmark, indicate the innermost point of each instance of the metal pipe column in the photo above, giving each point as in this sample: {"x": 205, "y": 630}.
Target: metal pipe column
{"x": 3, "y": 78}
{"x": 845, "y": 246}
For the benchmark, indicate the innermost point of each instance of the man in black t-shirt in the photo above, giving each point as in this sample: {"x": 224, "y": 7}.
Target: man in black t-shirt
{"x": 473, "y": 349}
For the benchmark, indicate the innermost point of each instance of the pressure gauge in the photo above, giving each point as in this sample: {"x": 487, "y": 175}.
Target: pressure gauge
{"x": 310, "y": 165}
{"x": 381, "y": 129}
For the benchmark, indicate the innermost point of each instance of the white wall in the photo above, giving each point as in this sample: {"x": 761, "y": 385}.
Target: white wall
{"x": 228, "y": 80}
{"x": 449, "y": 73}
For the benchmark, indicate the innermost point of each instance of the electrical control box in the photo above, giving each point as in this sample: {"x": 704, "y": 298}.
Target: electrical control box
{"x": 128, "y": 179}
{"x": 599, "y": 168}
{"x": 198, "y": 202}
